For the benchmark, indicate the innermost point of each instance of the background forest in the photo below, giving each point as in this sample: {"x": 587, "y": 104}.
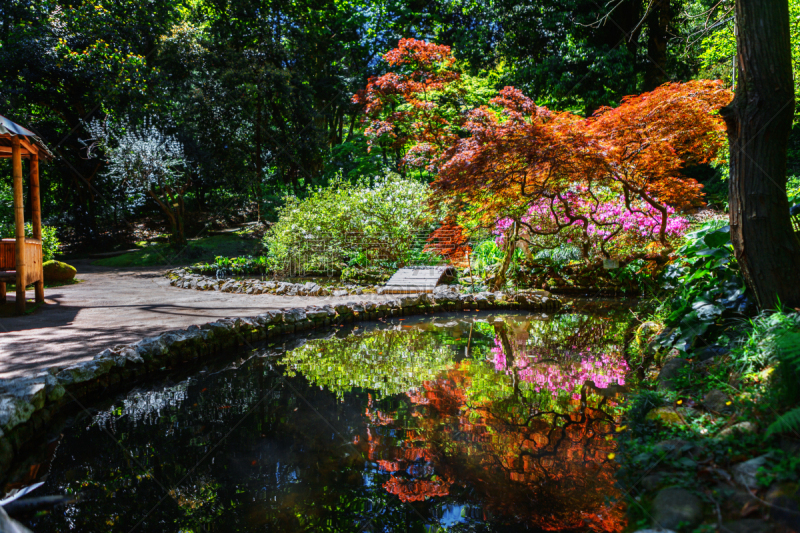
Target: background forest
{"x": 259, "y": 94}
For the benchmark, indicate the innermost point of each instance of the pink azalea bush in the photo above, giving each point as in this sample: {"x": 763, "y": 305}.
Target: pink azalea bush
{"x": 600, "y": 225}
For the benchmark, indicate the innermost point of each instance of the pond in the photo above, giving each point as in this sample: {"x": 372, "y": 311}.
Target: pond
{"x": 458, "y": 422}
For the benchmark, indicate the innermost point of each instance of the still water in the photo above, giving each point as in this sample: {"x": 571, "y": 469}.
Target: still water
{"x": 470, "y": 422}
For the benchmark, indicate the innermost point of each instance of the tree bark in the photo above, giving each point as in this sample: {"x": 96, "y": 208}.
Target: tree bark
{"x": 658, "y": 21}
{"x": 759, "y": 121}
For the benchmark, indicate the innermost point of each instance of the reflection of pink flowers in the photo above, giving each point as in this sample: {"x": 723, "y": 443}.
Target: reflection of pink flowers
{"x": 569, "y": 376}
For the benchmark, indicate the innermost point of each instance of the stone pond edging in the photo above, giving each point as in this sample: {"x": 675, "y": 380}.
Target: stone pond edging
{"x": 187, "y": 278}
{"x": 28, "y": 403}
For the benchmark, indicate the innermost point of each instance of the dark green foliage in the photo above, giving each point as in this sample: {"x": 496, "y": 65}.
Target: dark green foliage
{"x": 707, "y": 287}
{"x": 641, "y": 404}
{"x": 259, "y": 91}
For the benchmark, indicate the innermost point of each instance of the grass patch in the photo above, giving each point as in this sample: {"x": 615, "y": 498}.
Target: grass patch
{"x": 202, "y": 249}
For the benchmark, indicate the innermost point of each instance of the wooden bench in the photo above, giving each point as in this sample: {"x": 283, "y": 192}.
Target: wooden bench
{"x": 8, "y": 263}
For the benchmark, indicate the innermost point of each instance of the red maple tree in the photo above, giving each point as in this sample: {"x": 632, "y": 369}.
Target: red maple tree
{"x": 505, "y": 159}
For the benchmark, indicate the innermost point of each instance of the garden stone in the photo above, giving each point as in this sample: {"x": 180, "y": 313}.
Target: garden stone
{"x": 666, "y": 415}
{"x": 53, "y": 388}
{"x": 174, "y": 340}
{"x": 741, "y": 427}
{"x": 129, "y": 352}
{"x": 14, "y": 411}
{"x": 55, "y": 271}
{"x": 315, "y": 313}
{"x": 785, "y": 499}
{"x": 716, "y": 400}
{"x": 747, "y": 525}
{"x": 340, "y": 292}
{"x": 669, "y": 373}
{"x": 294, "y": 315}
{"x": 745, "y": 473}
{"x": 355, "y": 307}
{"x": 150, "y": 347}
{"x": 343, "y": 309}
{"x": 270, "y": 317}
{"x": 84, "y": 371}
{"x": 409, "y": 301}
{"x": 675, "y": 507}
{"x": 31, "y": 390}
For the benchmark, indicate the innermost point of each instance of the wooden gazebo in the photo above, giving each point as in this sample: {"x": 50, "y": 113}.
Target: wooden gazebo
{"x": 21, "y": 258}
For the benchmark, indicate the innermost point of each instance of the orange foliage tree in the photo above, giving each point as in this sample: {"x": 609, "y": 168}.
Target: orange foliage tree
{"x": 610, "y": 184}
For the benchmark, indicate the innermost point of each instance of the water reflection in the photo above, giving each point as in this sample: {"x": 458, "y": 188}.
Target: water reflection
{"x": 495, "y": 423}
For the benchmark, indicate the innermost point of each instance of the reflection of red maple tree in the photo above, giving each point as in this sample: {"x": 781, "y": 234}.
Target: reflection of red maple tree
{"x": 546, "y": 468}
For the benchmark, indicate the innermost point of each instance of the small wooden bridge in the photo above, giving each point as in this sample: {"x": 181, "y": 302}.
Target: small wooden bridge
{"x": 418, "y": 279}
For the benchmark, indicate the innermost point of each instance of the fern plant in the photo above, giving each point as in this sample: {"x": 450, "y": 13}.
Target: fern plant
{"x": 786, "y": 423}
{"x": 786, "y": 349}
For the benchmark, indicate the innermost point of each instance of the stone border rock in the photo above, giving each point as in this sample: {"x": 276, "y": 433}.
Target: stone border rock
{"x": 189, "y": 279}
{"x": 27, "y": 404}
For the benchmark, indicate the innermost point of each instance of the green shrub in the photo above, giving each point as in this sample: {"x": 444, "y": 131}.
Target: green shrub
{"x": 50, "y": 242}
{"x": 349, "y": 224}
{"x": 707, "y": 284}
{"x": 236, "y": 266}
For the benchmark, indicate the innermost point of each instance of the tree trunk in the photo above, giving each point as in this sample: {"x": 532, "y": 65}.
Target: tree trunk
{"x": 759, "y": 121}
{"x": 657, "y": 36}
{"x": 510, "y": 245}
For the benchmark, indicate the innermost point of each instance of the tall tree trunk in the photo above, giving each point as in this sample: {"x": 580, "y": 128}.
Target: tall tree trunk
{"x": 759, "y": 121}
{"x": 658, "y": 21}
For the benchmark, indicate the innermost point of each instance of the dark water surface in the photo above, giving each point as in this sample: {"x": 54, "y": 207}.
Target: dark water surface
{"x": 468, "y": 422}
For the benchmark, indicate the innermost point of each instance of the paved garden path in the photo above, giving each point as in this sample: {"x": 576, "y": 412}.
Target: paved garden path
{"x": 116, "y": 306}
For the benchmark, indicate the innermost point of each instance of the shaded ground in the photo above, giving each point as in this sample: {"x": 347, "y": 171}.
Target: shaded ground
{"x": 116, "y": 306}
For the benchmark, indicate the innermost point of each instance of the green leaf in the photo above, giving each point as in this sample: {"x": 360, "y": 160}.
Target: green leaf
{"x": 718, "y": 238}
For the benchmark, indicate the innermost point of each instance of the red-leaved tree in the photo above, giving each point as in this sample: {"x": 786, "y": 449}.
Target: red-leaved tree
{"x": 610, "y": 184}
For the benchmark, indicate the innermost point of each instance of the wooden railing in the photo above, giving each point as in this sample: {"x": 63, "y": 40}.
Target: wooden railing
{"x": 33, "y": 258}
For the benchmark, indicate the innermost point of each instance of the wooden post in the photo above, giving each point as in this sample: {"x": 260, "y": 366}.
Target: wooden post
{"x": 36, "y": 216}
{"x": 36, "y": 207}
{"x": 19, "y": 221}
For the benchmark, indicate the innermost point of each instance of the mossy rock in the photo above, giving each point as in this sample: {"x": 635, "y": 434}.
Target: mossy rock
{"x": 55, "y": 271}
{"x": 666, "y": 415}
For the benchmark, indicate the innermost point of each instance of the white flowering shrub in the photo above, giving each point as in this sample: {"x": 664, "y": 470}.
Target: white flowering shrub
{"x": 146, "y": 161}
{"x": 346, "y": 224}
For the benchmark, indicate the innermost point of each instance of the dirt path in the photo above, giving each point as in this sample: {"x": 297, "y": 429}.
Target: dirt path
{"x": 116, "y": 306}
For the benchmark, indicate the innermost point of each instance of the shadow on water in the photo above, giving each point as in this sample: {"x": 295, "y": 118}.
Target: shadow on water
{"x": 478, "y": 422}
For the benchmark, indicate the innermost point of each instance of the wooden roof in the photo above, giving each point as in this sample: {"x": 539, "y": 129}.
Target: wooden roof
{"x": 29, "y": 142}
